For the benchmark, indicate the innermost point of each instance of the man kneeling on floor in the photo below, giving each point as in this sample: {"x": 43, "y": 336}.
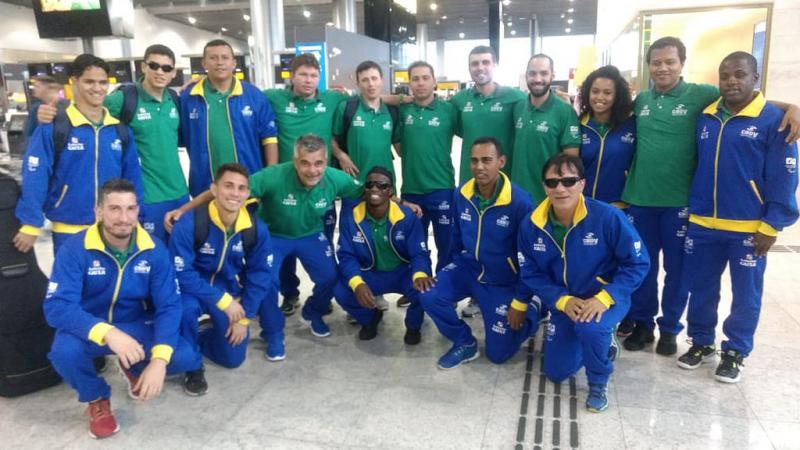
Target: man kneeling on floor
{"x": 381, "y": 250}
{"x": 113, "y": 290}
{"x": 222, "y": 254}
{"x": 584, "y": 259}
{"x": 488, "y": 211}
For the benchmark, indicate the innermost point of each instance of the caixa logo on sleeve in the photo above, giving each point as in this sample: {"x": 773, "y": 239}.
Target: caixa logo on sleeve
{"x": 142, "y": 267}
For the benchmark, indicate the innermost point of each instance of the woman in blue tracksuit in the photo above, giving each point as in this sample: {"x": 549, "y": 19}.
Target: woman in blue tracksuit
{"x": 584, "y": 259}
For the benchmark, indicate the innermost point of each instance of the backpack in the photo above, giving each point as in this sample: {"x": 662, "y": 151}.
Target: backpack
{"x": 202, "y": 223}
{"x": 62, "y": 128}
{"x": 350, "y": 112}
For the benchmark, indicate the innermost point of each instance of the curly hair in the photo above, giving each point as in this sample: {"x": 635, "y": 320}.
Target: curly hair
{"x": 623, "y": 103}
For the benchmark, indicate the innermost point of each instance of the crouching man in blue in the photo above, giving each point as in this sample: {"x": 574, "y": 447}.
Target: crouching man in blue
{"x": 113, "y": 290}
{"x": 488, "y": 211}
{"x": 742, "y": 195}
{"x": 584, "y": 259}
{"x": 381, "y": 250}
{"x": 222, "y": 255}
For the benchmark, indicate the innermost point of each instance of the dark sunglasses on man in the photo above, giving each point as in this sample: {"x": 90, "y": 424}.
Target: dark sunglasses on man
{"x": 377, "y": 184}
{"x": 166, "y": 68}
{"x": 567, "y": 182}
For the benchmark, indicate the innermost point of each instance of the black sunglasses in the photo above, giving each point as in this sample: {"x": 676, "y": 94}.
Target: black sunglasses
{"x": 552, "y": 183}
{"x": 377, "y": 184}
{"x": 155, "y": 66}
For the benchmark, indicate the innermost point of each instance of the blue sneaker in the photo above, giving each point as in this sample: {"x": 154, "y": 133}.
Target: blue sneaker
{"x": 613, "y": 349}
{"x": 597, "y": 400}
{"x": 276, "y": 348}
{"x": 457, "y": 355}
{"x": 318, "y": 327}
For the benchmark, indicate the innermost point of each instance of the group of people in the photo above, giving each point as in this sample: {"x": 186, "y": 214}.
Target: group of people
{"x": 556, "y": 214}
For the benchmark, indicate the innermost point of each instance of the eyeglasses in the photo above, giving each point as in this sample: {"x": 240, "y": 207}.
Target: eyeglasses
{"x": 377, "y": 184}
{"x": 164, "y": 67}
{"x": 552, "y": 183}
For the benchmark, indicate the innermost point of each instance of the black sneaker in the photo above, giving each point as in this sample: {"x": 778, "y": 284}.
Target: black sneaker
{"x": 99, "y": 364}
{"x": 613, "y": 349}
{"x": 640, "y": 337}
{"x": 667, "y": 344}
{"x": 697, "y": 355}
{"x": 289, "y": 305}
{"x": 730, "y": 367}
{"x": 403, "y": 302}
{"x": 625, "y": 328}
{"x": 412, "y": 337}
{"x": 194, "y": 383}
{"x": 370, "y": 330}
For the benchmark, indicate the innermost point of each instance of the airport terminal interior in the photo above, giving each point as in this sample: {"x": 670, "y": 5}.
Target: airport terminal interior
{"x": 340, "y": 392}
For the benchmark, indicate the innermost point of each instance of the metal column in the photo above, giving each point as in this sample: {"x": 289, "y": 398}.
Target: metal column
{"x": 344, "y": 15}
{"x": 495, "y": 26}
{"x": 277, "y": 30}
{"x": 261, "y": 44}
{"x": 422, "y": 41}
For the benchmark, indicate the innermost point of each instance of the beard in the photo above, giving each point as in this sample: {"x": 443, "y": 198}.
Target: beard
{"x": 537, "y": 91}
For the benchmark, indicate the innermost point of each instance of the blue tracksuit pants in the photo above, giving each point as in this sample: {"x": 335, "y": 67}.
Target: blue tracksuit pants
{"x": 72, "y": 358}
{"x": 707, "y": 253}
{"x": 437, "y": 210}
{"x": 397, "y": 281}
{"x": 457, "y": 282}
{"x": 663, "y": 230}
{"x": 569, "y": 345}
{"x": 289, "y": 282}
{"x": 151, "y": 216}
{"x": 316, "y": 254}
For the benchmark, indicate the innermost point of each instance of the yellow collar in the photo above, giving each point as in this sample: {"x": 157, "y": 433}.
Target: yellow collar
{"x": 539, "y": 216}
{"x": 753, "y": 109}
{"x": 503, "y": 198}
{"x": 242, "y": 220}
{"x": 198, "y": 87}
{"x": 76, "y": 118}
{"x": 395, "y": 213}
{"x": 93, "y": 241}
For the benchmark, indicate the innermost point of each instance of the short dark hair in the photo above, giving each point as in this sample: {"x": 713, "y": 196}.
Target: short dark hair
{"x": 85, "y": 61}
{"x": 115, "y": 185}
{"x": 310, "y": 143}
{"x": 306, "y": 59}
{"x": 366, "y": 65}
{"x": 668, "y": 41}
{"x": 231, "y": 167}
{"x": 747, "y": 57}
{"x": 158, "y": 49}
{"x": 538, "y": 56}
{"x": 623, "y": 103}
{"x": 216, "y": 43}
{"x": 481, "y": 49}
{"x": 483, "y": 140}
{"x": 417, "y": 64}
{"x": 561, "y": 160}
{"x": 380, "y": 170}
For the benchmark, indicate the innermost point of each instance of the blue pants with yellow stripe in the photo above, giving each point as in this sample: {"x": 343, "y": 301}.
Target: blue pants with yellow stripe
{"x": 437, "y": 209}
{"x": 72, "y": 358}
{"x": 662, "y": 230}
{"x": 397, "y": 281}
{"x": 455, "y": 283}
{"x": 316, "y": 254}
{"x": 289, "y": 281}
{"x": 707, "y": 253}
{"x": 151, "y": 216}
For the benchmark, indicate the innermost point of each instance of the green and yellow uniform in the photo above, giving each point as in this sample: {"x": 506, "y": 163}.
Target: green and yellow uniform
{"x": 369, "y": 138}
{"x": 426, "y": 139}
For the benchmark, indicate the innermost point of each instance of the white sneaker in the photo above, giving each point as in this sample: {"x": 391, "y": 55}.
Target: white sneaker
{"x": 383, "y": 305}
{"x": 471, "y": 309}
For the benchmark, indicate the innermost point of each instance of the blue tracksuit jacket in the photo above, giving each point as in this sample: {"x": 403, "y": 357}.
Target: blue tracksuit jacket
{"x": 89, "y": 291}
{"x": 606, "y": 160}
{"x": 746, "y": 174}
{"x": 252, "y": 123}
{"x": 603, "y": 256}
{"x": 67, "y": 194}
{"x": 219, "y": 270}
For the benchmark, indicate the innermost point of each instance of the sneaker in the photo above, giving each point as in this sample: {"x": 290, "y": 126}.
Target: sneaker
{"x": 412, "y": 337}
{"x": 471, "y": 310}
{"x": 318, "y": 326}
{"x": 730, "y": 367}
{"x": 544, "y": 315}
{"x": 667, "y": 344}
{"x": 131, "y": 379}
{"x": 370, "y": 330}
{"x": 351, "y": 320}
{"x": 457, "y": 355}
{"x": 276, "y": 348}
{"x": 640, "y": 337}
{"x": 625, "y": 328}
{"x": 381, "y": 302}
{"x": 99, "y": 364}
{"x": 403, "y": 302}
{"x": 101, "y": 421}
{"x": 328, "y": 311}
{"x": 613, "y": 349}
{"x": 597, "y": 401}
{"x": 194, "y": 383}
{"x": 697, "y": 355}
{"x": 290, "y": 304}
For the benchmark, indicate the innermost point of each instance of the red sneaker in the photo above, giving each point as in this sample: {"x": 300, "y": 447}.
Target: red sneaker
{"x": 131, "y": 379}
{"x": 101, "y": 422}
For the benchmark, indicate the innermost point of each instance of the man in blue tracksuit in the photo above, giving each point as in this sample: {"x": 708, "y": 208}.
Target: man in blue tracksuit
{"x": 224, "y": 120}
{"x": 62, "y": 184}
{"x": 382, "y": 249}
{"x": 232, "y": 263}
{"x": 487, "y": 210}
{"x": 584, "y": 259}
{"x": 113, "y": 291}
{"x": 742, "y": 195}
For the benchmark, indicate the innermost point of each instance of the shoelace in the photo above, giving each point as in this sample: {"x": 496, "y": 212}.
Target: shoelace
{"x": 99, "y": 410}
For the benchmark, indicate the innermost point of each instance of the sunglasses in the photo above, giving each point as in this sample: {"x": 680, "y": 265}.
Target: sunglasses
{"x": 377, "y": 184}
{"x": 552, "y": 183}
{"x": 164, "y": 67}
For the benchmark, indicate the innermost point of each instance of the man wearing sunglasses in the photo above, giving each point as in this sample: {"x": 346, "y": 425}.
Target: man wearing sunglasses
{"x": 584, "y": 259}
{"x": 381, "y": 250}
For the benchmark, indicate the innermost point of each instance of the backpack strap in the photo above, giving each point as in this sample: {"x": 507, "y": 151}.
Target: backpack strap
{"x": 349, "y": 112}
{"x": 250, "y": 235}
{"x": 201, "y": 224}
{"x": 61, "y": 131}
{"x": 394, "y": 112}
{"x": 130, "y": 98}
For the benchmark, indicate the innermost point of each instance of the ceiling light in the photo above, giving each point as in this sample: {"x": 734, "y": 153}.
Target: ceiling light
{"x": 437, "y": 22}
{"x": 444, "y": 17}
{"x": 306, "y": 13}
{"x": 567, "y": 30}
{"x": 563, "y": 15}
{"x": 246, "y": 17}
{"x": 511, "y": 24}
{"x": 461, "y": 20}
{"x": 506, "y": 2}
{"x": 571, "y": 10}
{"x": 461, "y": 35}
{"x": 434, "y": 6}
{"x": 223, "y": 29}
{"x": 569, "y": 21}
{"x": 192, "y": 20}
{"x": 329, "y": 24}
{"x": 513, "y": 32}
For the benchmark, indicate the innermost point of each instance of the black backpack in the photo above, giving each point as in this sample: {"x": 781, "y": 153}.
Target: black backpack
{"x": 202, "y": 223}
{"x": 62, "y": 128}
{"x": 25, "y": 337}
{"x": 350, "y": 111}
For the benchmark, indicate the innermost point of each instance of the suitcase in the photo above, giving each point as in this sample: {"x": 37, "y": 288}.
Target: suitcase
{"x": 25, "y": 337}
